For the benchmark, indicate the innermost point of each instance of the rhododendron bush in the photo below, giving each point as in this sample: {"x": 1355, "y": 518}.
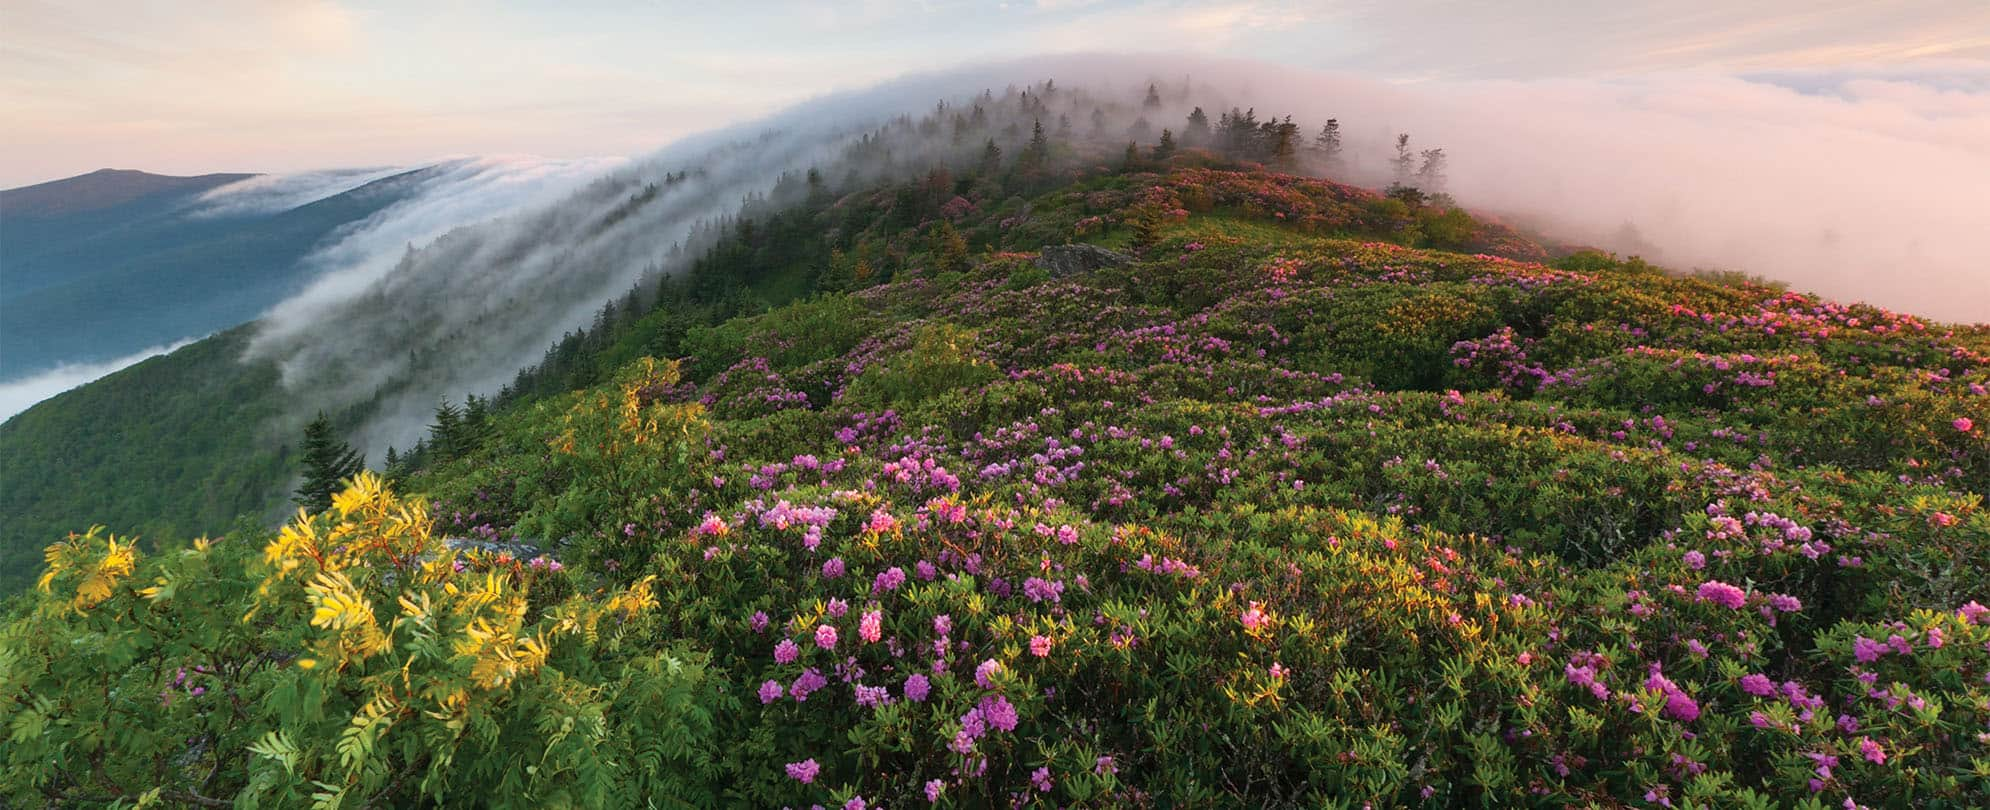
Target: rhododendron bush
{"x": 1263, "y": 516}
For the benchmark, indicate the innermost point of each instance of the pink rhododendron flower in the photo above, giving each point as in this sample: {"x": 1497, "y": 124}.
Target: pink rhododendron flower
{"x": 770, "y": 692}
{"x": 1963, "y": 424}
{"x": 985, "y": 673}
{"x": 804, "y": 771}
{"x": 1723, "y": 594}
{"x": 871, "y": 627}
{"x": 1758, "y": 685}
{"x": 786, "y": 652}
{"x": 825, "y": 636}
{"x": 1040, "y": 646}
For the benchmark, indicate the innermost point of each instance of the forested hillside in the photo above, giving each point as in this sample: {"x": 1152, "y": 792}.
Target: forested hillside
{"x": 1282, "y": 493}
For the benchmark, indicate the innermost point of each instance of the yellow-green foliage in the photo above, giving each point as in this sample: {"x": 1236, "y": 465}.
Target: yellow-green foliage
{"x": 353, "y": 660}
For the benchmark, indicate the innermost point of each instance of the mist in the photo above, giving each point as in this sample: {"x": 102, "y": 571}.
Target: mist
{"x": 1860, "y": 187}
{"x": 18, "y": 395}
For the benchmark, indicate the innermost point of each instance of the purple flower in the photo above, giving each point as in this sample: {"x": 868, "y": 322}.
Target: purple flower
{"x": 825, "y": 636}
{"x": 1682, "y": 708}
{"x": 889, "y": 580}
{"x": 811, "y": 679}
{"x": 786, "y": 652}
{"x": 1758, "y": 685}
{"x": 934, "y": 788}
{"x": 855, "y": 803}
{"x": 770, "y": 692}
{"x": 1723, "y": 594}
{"x": 1974, "y": 613}
{"x": 917, "y": 687}
{"x": 1872, "y": 751}
{"x": 1041, "y": 779}
{"x": 1867, "y": 650}
{"x": 1104, "y": 766}
{"x": 833, "y": 568}
{"x": 943, "y": 624}
{"x": 804, "y": 771}
{"x": 999, "y": 712}
{"x": 1785, "y": 603}
{"x": 985, "y": 673}
{"x": 1695, "y": 560}
{"x": 759, "y": 621}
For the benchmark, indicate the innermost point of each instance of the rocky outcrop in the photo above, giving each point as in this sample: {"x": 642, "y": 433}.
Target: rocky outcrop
{"x": 1065, "y": 260}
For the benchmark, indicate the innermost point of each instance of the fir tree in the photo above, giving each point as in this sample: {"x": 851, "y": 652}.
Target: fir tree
{"x": 1197, "y": 132}
{"x": 328, "y": 462}
{"x": 1166, "y": 148}
{"x": 446, "y": 432}
{"x": 1153, "y": 98}
{"x": 1132, "y": 160}
{"x": 1405, "y": 162}
{"x": 1431, "y": 176}
{"x": 991, "y": 159}
{"x": 1328, "y": 142}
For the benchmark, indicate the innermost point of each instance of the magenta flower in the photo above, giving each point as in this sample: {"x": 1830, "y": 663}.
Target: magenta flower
{"x": 1723, "y": 594}
{"x": 770, "y": 692}
{"x": 825, "y": 636}
{"x": 1758, "y": 685}
{"x": 1872, "y": 751}
{"x": 1255, "y": 618}
{"x": 1867, "y": 650}
{"x": 1041, "y": 779}
{"x": 786, "y": 652}
{"x": 833, "y": 568}
{"x": 759, "y": 621}
{"x": 999, "y": 712}
{"x": 804, "y": 771}
{"x": 1695, "y": 560}
{"x": 1040, "y": 646}
{"x": 934, "y": 788}
{"x": 1963, "y": 424}
{"x": 1974, "y": 613}
{"x": 917, "y": 687}
{"x": 985, "y": 673}
{"x": 943, "y": 624}
{"x": 871, "y": 627}
{"x": 855, "y": 803}
{"x": 889, "y": 580}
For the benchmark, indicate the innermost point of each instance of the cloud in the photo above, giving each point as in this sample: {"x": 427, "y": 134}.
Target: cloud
{"x": 20, "y": 394}
{"x": 271, "y": 193}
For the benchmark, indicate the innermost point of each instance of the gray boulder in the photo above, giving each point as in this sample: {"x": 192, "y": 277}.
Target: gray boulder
{"x": 1065, "y": 260}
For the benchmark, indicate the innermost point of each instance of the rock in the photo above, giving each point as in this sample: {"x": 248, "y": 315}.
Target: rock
{"x": 1065, "y": 260}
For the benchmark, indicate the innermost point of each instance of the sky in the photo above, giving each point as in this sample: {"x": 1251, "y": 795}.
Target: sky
{"x": 195, "y": 86}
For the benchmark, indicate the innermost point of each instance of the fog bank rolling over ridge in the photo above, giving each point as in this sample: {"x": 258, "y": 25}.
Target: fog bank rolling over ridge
{"x": 1861, "y": 188}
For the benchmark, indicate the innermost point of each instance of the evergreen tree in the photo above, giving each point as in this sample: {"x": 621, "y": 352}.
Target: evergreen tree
{"x": 1132, "y": 160}
{"x": 1328, "y": 142}
{"x": 445, "y": 433}
{"x": 1038, "y": 152}
{"x": 1284, "y": 143}
{"x": 1153, "y": 98}
{"x": 1197, "y": 132}
{"x": 991, "y": 159}
{"x": 1166, "y": 148}
{"x": 949, "y": 248}
{"x": 1405, "y": 163}
{"x": 328, "y": 462}
{"x": 1098, "y": 122}
{"x": 1431, "y": 176}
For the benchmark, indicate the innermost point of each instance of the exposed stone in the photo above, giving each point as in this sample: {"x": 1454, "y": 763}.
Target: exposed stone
{"x": 1065, "y": 260}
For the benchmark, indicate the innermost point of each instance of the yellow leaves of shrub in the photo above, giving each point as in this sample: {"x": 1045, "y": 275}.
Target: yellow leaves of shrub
{"x": 634, "y": 600}
{"x": 101, "y": 559}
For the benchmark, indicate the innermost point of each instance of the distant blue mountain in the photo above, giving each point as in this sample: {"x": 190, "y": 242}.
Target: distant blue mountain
{"x": 109, "y": 263}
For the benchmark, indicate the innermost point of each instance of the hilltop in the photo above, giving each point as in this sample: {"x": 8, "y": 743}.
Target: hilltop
{"x": 1280, "y": 493}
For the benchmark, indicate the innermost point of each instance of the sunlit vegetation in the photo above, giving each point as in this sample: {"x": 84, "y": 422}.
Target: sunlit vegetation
{"x": 1321, "y": 497}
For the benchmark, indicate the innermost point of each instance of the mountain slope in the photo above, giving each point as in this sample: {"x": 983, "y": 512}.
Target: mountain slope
{"x": 110, "y": 263}
{"x": 1244, "y": 505}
